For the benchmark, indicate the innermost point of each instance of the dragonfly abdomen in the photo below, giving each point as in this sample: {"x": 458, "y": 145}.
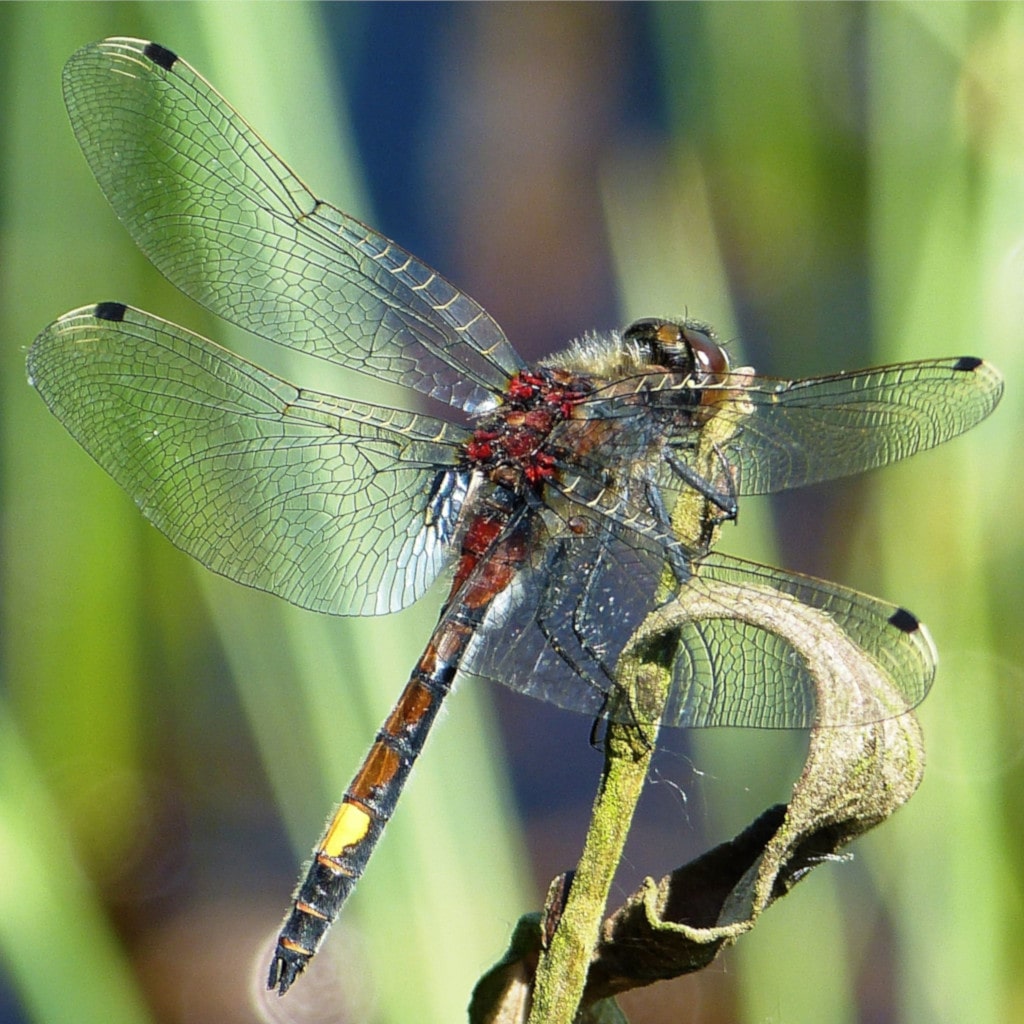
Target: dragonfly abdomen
{"x": 484, "y": 571}
{"x": 345, "y": 848}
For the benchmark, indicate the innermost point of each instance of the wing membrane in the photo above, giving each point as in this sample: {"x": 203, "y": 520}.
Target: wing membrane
{"x": 789, "y": 433}
{"x": 792, "y": 433}
{"x": 733, "y": 670}
{"x": 804, "y": 431}
{"x": 564, "y": 631}
{"x": 225, "y": 220}
{"x": 313, "y": 498}
{"x": 558, "y": 631}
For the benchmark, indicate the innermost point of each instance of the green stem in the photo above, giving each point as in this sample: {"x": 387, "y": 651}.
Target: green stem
{"x": 562, "y": 970}
{"x": 644, "y": 677}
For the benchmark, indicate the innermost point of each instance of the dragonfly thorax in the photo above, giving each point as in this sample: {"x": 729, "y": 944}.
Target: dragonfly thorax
{"x": 511, "y": 445}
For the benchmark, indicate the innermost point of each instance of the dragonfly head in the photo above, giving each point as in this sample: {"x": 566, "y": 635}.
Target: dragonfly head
{"x": 686, "y": 346}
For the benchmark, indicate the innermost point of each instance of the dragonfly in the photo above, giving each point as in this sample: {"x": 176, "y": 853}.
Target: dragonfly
{"x": 546, "y": 498}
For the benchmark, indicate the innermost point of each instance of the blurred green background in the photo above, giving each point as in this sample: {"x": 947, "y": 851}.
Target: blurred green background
{"x": 832, "y": 185}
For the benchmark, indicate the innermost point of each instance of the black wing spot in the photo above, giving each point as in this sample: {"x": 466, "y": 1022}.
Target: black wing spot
{"x": 160, "y": 55}
{"x": 967, "y": 363}
{"x": 110, "y": 311}
{"x": 905, "y": 621}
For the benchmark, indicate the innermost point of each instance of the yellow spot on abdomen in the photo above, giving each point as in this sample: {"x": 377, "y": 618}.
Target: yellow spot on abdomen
{"x": 349, "y": 826}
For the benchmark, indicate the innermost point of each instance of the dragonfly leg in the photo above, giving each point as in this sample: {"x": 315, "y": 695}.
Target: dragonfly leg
{"x": 678, "y": 558}
{"x": 722, "y": 497}
{"x": 589, "y": 662}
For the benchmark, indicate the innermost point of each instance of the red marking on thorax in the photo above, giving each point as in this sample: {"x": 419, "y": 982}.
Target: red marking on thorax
{"x": 511, "y": 444}
{"x": 513, "y": 448}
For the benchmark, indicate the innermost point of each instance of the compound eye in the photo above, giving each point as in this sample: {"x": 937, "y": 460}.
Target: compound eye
{"x": 709, "y": 358}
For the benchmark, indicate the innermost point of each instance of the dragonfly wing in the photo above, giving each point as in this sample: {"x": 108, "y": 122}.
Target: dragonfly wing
{"x": 227, "y": 222}
{"x": 742, "y": 656}
{"x": 567, "y": 619}
{"x": 793, "y": 433}
{"x": 316, "y": 499}
{"x": 568, "y": 615}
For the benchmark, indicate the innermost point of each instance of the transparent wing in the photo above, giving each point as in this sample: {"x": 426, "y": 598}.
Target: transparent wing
{"x": 732, "y": 670}
{"x": 567, "y": 619}
{"x": 788, "y": 433}
{"x": 228, "y": 223}
{"x": 557, "y": 632}
{"x": 316, "y": 499}
{"x": 792, "y": 433}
